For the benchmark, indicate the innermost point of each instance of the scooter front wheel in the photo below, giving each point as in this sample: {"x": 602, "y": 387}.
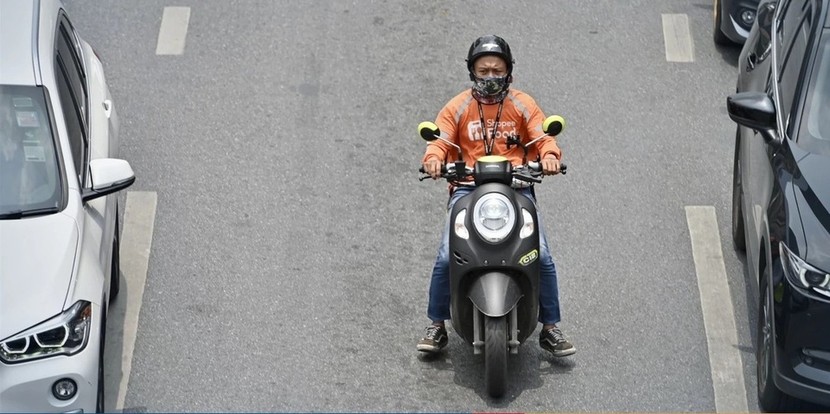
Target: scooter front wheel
{"x": 495, "y": 355}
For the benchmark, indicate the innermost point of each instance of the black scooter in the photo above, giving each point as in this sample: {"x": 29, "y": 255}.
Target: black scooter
{"x": 494, "y": 251}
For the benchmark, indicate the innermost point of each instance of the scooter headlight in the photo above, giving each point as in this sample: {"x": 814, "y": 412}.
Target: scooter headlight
{"x": 459, "y": 226}
{"x": 527, "y": 227}
{"x": 494, "y": 217}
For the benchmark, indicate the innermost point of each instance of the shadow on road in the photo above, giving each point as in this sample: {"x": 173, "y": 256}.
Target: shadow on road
{"x": 113, "y": 349}
{"x": 525, "y": 371}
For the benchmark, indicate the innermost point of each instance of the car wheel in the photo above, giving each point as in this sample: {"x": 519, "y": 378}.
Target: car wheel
{"x": 115, "y": 272}
{"x": 738, "y": 236}
{"x": 770, "y": 398}
{"x": 717, "y": 33}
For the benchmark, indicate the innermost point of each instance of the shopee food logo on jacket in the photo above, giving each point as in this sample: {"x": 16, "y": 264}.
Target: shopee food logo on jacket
{"x": 504, "y": 130}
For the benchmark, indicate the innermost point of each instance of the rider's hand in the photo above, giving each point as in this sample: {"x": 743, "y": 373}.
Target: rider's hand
{"x": 550, "y": 165}
{"x": 433, "y": 168}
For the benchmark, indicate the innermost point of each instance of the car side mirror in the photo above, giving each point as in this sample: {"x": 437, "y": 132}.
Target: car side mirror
{"x": 754, "y": 110}
{"x": 107, "y": 176}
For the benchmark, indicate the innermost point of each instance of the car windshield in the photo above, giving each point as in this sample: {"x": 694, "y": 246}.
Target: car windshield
{"x": 29, "y": 177}
{"x": 815, "y": 127}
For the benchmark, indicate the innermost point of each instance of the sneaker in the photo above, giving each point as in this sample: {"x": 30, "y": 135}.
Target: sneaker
{"x": 553, "y": 341}
{"x": 435, "y": 340}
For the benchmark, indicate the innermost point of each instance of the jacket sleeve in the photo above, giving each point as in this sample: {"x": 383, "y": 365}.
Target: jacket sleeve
{"x": 536, "y": 118}
{"x": 438, "y": 149}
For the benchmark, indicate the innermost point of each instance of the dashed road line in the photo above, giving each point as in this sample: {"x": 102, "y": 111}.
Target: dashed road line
{"x": 173, "y": 31}
{"x": 718, "y": 311}
{"x": 678, "y": 38}
{"x": 122, "y": 318}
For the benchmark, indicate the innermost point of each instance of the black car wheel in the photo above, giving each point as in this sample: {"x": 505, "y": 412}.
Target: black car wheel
{"x": 737, "y": 207}
{"x": 717, "y": 34}
{"x": 770, "y": 398}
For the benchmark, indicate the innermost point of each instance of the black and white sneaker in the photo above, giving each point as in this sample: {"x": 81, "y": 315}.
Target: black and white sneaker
{"x": 553, "y": 341}
{"x": 435, "y": 340}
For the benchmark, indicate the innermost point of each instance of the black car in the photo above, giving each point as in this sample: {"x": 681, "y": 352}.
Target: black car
{"x": 781, "y": 195}
{"x": 733, "y": 19}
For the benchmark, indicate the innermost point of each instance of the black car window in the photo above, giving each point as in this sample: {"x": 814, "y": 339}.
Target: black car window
{"x": 29, "y": 173}
{"x": 783, "y": 8}
{"x": 72, "y": 95}
{"x": 794, "y": 31}
{"x": 814, "y": 131}
{"x": 70, "y": 50}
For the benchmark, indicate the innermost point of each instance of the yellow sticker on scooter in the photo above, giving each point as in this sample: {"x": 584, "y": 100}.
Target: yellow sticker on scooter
{"x": 529, "y": 258}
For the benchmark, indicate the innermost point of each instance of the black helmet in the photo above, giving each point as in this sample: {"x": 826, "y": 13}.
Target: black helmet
{"x": 489, "y": 45}
{"x": 490, "y": 90}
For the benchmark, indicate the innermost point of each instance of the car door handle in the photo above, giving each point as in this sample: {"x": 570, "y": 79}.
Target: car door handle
{"x": 751, "y": 60}
{"x": 107, "y": 107}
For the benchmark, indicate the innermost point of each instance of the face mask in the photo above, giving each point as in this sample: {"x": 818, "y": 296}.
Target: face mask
{"x": 490, "y": 90}
{"x": 490, "y": 86}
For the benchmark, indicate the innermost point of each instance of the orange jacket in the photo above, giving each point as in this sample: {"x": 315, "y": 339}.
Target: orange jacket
{"x": 460, "y": 123}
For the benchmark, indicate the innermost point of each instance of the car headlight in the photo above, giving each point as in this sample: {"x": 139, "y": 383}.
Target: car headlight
{"x": 801, "y": 274}
{"x": 494, "y": 217}
{"x": 65, "y": 334}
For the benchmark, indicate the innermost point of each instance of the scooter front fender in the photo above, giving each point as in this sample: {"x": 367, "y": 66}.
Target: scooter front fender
{"x": 495, "y": 294}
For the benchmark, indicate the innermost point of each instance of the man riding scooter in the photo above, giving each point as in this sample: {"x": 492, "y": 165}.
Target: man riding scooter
{"x": 479, "y": 121}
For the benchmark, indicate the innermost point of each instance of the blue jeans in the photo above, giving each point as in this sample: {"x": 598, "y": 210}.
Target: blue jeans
{"x": 439, "y": 288}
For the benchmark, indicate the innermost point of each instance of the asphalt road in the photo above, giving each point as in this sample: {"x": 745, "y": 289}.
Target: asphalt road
{"x": 293, "y": 241}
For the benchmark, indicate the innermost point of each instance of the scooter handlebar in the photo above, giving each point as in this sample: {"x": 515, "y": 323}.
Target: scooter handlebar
{"x": 448, "y": 170}
{"x": 536, "y": 167}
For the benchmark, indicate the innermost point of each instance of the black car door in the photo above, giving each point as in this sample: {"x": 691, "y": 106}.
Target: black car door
{"x": 792, "y": 29}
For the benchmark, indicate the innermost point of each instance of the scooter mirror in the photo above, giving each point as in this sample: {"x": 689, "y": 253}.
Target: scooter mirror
{"x": 429, "y": 131}
{"x": 553, "y": 125}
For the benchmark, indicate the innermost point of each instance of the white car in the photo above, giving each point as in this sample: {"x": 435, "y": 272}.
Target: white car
{"x": 58, "y": 211}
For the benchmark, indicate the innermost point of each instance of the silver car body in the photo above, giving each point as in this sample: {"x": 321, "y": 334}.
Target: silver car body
{"x": 48, "y": 263}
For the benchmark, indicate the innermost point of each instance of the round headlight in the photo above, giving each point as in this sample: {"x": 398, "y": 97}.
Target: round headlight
{"x": 494, "y": 214}
{"x": 494, "y": 217}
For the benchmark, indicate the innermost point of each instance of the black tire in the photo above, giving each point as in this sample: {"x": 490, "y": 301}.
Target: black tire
{"x": 495, "y": 355}
{"x": 770, "y": 398}
{"x": 115, "y": 271}
{"x": 717, "y": 34}
{"x": 738, "y": 237}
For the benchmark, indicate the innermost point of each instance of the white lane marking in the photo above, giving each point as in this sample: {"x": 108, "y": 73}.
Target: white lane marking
{"x": 678, "y": 38}
{"x": 718, "y": 312}
{"x": 173, "y": 31}
{"x": 136, "y": 240}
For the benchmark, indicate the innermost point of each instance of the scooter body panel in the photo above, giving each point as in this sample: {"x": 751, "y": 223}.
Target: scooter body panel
{"x": 494, "y": 294}
{"x": 478, "y": 267}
